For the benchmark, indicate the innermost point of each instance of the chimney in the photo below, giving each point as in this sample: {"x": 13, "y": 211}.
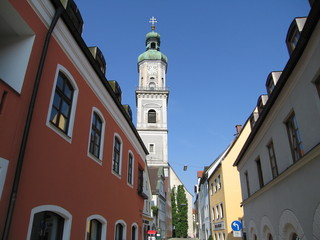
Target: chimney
{"x": 238, "y": 128}
{"x": 199, "y": 173}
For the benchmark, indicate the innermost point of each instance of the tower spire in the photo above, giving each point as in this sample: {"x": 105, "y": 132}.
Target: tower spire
{"x": 153, "y": 20}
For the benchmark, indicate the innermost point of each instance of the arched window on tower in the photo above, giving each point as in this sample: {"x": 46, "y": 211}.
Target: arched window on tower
{"x": 153, "y": 45}
{"x": 152, "y": 116}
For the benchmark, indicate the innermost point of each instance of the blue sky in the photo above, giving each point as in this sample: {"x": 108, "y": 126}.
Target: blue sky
{"x": 220, "y": 53}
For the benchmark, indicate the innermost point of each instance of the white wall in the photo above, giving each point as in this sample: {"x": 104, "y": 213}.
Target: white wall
{"x": 289, "y": 201}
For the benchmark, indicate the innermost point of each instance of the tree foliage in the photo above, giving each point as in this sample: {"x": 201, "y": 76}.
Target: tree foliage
{"x": 174, "y": 210}
{"x": 155, "y": 210}
{"x": 180, "y": 212}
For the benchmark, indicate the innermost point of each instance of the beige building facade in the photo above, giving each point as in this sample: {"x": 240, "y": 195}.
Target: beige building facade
{"x": 225, "y": 189}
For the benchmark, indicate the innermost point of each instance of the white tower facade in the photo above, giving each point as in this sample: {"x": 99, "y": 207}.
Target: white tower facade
{"x": 152, "y": 100}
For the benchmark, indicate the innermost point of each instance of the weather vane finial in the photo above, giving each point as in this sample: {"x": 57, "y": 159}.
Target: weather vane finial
{"x": 153, "y": 20}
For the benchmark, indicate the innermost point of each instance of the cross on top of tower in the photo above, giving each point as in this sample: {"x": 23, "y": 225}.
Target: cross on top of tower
{"x": 153, "y": 20}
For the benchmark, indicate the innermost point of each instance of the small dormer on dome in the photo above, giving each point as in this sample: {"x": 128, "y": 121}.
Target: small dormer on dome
{"x": 153, "y": 41}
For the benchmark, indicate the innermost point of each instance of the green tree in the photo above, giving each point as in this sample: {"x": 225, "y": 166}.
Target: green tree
{"x": 182, "y": 213}
{"x": 175, "y": 218}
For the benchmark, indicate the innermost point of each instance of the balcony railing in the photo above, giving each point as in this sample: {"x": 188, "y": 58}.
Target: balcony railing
{"x": 152, "y": 89}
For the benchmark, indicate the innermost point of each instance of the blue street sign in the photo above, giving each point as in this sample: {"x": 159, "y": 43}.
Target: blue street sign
{"x": 236, "y": 225}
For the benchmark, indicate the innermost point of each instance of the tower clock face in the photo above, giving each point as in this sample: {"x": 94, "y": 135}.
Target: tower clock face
{"x": 152, "y": 69}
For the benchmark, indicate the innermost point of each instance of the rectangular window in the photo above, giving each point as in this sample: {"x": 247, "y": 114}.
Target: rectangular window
{"x": 247, "y": 183}
{"x": 259, "y": 170}
{"x": 116, "y": 156}
{"x": 219, "y": 182}
{"x": 140, "y": 180}
{"x": 221, "y": 210}
{"x": 217, "y": 212}
{"x": 211, "y": 189}
{"x": 95, "y": 137}
{"x": 213, "y": 214}
{"x": 294, "y": 137}
{"x": 215, "y": 185}
{"x": 62, "y": 102}
{"x": 130, "y": 169}
{"x": 151, "y": 147}
{"x": 273, "y": 161}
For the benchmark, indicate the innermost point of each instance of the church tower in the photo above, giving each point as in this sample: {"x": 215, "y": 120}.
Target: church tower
{"x": 152, "y": 99}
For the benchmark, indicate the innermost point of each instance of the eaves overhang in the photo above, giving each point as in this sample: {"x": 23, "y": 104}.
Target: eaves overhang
{"x": 310, "y": 25}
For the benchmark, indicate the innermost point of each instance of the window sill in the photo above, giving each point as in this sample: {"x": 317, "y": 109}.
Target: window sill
{"x": 305, "y": 159}
{"x": 94, "y": 158}
{"x": 59, "y": 132}
{"x": 116, "y": 174}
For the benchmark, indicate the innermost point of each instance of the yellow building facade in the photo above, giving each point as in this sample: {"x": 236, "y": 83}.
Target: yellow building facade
{"x": 225, "y": 189}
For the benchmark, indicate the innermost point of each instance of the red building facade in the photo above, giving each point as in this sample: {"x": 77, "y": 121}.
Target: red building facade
{"x": 71, "y": 160}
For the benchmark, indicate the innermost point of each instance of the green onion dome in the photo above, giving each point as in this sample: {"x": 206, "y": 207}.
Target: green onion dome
{"x": 152, "y": 48}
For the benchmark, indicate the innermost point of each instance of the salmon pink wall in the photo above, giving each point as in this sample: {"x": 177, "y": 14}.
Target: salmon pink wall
{"x": 15, "y": 106}
{"x": 58, "y": 172}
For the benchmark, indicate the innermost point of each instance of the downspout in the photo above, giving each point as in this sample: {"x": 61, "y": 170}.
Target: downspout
{"x": 25, "y": 135}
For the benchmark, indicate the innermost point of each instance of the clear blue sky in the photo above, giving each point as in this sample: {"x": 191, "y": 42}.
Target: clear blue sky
{"x": 220, "y": 53}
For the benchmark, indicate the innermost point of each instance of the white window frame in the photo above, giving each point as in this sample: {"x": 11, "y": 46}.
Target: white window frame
{"x": 68, "y": 135}
{"x": 3, "y": 173}
{"x": 55, "y": 209}
{"x": 103, "y": 222}
{"x": 116, "y": 135}
{"x": 156, "y": 113}
{"x": 123, "y": 223}
{"x": 221, "y": 210}
{"x": 217, "y": 212}
{"x": 15, "y": 48}
{"x": 215, "y": 185}
{"x": 132, "y": 170}
{"x": 213, "y": 214}
{"x": 137, "y": 230}
{"x": 154, "y": 147}
{"x": 98, "y": 160}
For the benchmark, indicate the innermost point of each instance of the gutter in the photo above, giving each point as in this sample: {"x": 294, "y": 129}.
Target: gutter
{"x": 25, "y": 135}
